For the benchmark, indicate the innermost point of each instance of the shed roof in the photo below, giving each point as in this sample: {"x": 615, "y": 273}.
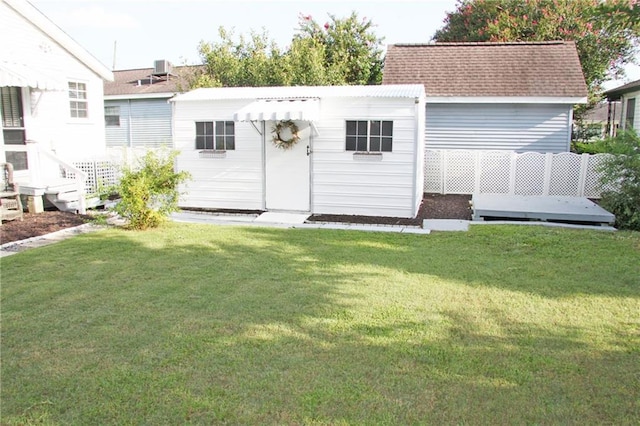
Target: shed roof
{"x": 615, "y": 94}
{"x": 301, "y": 92}
{"x": 141, "y": 81}
{"x": 527, "y": 69}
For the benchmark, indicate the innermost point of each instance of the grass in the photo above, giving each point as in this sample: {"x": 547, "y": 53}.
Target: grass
{"x": 199, "y": 325}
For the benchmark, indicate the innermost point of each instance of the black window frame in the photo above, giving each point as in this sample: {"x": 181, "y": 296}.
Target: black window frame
{"x": 371, "y": 136}
{"x": 218, "y": 135}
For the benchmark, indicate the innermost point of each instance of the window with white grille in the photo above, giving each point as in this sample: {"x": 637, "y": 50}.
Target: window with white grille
{"x": 369, "y": 136}
{"x": 215, "y": 135}
{"x": 78, "y": 103}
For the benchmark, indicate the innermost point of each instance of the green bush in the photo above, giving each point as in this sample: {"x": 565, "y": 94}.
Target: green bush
{"x": 621, "y": 179}
{"x": 596, "y": 147}
{"x": 148, "y": 193}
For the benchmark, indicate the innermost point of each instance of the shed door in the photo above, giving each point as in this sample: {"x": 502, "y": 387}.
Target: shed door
{"x": 287, "y": 171}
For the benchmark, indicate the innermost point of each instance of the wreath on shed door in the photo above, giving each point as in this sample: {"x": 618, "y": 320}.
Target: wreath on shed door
{"x": 285, "y": 134}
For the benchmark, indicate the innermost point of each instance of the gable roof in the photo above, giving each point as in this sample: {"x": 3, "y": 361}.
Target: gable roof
{"x": 141, "y": 83}
{"x": 44, "y": 24}
{"x": 615, "y": 94}
{"x": 529, "y": 69}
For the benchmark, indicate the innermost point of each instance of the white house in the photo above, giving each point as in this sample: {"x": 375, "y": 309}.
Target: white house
{"x": 358, "y": 149}
{"x": 629, "y": 97}
{"x": 493, "y": 96}
{"x": 51, "y": 93}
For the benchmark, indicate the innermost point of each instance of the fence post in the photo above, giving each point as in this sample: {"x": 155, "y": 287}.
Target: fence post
{"x": 445, "y": 165}
{"x": 477, "y": 172}
{"x": 548, "y": 165}
{"x": 582, "y": 180}
{"x": 512, "y": 172}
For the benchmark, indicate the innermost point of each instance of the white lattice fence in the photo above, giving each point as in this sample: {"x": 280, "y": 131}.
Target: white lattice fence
{"x": 507, "y": 172}
{"x": 100, "y": 174}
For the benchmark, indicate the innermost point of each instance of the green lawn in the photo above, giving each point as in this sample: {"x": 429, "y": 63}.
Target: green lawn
{"x": 202, "y": 324}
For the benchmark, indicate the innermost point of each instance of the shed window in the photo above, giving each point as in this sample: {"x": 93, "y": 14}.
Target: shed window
{"x": 630, "y": 114}
{"x": 215, "y": 135}
{"x": 78, "y": 100}
{"x": 112, "y": 115}
{"x": 369, "y": 136}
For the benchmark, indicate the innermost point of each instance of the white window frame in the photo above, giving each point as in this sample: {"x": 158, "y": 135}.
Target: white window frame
{"x": 382, "y": 140}
{"x": 78, "y": 100}
{"x": 228, "y": 139}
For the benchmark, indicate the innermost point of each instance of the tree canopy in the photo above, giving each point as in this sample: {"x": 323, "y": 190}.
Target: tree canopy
{"x": 341, "y": 51}
{"x": 606, "y": 32}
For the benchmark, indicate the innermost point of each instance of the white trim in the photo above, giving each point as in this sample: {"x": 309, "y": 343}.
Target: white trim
{"x": 44, "y": 24}
{"x": 505, "y": 100}
{"x": 166, "y": 95}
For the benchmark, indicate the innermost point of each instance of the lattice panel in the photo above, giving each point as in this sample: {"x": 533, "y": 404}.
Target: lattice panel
{"x": 459, "y": 174}
{"x": 88, "y": 168}
{"x": 433, "y": 171}
{"x": 100, "y": 173}
{"x": 529, "y": 174}
{"x": 565, "y": 175}
{"x": 592, "y": 187}
{"x": 495, "y": 172}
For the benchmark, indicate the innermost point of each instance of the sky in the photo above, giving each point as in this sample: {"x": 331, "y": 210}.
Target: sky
{"x": 135, "y": 33}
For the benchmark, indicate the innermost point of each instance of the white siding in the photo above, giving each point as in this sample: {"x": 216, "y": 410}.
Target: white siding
{"x": 47, "y": 116}
{"x": 341, "y": 183}
{"x": 344, "y": 184}
{"x": 515, "y": 127}
{"x": 232, "y": 182}
{"x": 143, "y": 123}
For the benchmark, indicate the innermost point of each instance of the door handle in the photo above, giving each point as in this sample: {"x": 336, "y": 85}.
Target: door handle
{"x": 308, "y": 150}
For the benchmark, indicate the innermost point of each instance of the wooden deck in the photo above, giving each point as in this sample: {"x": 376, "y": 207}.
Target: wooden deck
{"x": 552, "y": 209}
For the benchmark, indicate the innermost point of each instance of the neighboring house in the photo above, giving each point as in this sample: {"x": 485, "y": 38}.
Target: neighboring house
{"x": 597, "y": 121}
{"x": 629, "y": 97}
{"x": 361, "y": 149}
{"x": 136, "y": 108}
{"x": 50, "y": 92}
{"x": 493, "y": 96}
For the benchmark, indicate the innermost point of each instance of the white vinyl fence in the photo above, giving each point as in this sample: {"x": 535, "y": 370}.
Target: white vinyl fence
{"x": 507, "y": 172}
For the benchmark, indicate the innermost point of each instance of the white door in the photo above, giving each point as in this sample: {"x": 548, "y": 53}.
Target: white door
{"x": 287, "y": 171}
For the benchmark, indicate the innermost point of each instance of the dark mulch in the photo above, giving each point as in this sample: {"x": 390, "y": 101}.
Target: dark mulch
{"x": 434, "y": 206}
{"x": 35, "y": 225}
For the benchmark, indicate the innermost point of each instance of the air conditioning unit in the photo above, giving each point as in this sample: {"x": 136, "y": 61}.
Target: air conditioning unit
{"x": 161, "y": 67}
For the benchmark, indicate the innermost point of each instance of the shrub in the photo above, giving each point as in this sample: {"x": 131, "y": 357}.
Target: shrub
{"x": 148, "y": 193}
{"x": 621, "y": 171}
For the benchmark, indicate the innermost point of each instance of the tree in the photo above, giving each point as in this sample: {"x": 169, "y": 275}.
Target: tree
{"x": 342, "y": 51}
{"x": 352, "y": 50}
{"x": 606, "y": 32}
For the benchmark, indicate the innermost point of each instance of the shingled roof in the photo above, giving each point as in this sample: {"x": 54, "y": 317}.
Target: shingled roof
{"x": 528, "y": 69}
{"x": 142, "y": 82}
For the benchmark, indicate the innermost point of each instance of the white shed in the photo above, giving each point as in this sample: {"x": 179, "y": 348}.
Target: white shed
{"x": 360, "y": 149}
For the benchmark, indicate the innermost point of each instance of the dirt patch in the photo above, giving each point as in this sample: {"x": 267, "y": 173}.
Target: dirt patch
{"x": 35, "y": 225}
{"x": 434, "y": 206}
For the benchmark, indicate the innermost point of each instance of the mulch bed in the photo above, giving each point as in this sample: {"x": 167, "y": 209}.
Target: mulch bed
{"x": 35, "y": 225}
{"x": 434, "y": 206}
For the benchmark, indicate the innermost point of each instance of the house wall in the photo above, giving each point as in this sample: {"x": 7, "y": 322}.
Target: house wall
{"x": 47, "y": 113}
{"x": 341, "y": 182}
{"x": 143, "y": 123}
{"x": 232, "y": 182}
{"x": 623, "y": 118}
{"x": 515, "y": 127}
